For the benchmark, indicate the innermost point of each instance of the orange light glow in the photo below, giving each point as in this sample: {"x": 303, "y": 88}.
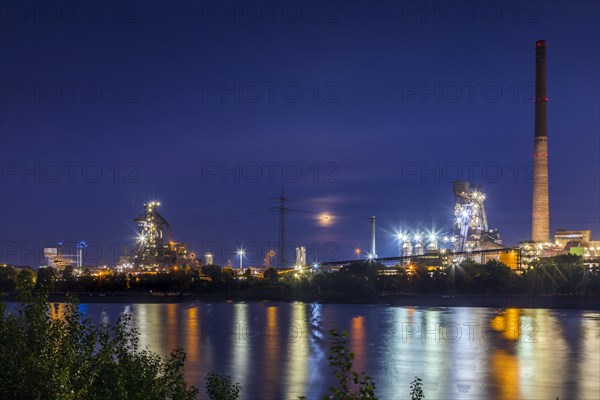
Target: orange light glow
{"x": 325, "y": 219}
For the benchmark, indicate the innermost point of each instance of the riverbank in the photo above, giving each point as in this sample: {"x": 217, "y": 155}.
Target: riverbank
{"x": 393, "y": 299}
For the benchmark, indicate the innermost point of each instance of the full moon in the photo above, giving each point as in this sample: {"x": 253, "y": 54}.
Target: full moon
{"x": 325, "y": 219}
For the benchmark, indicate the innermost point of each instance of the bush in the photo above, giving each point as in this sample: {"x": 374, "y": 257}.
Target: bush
{"x": 351, "y": 384}
{"x": 221, "y": 387}
{"x": 66, "y": 358}
{"x": 416, "y": 389}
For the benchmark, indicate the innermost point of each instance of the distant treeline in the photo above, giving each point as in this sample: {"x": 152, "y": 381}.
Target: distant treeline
{"x": 361, "y": 280}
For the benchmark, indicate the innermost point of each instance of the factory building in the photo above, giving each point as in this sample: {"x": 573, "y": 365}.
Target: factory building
{"x": 56, "y": 257}
{"x": 578, "y": 242}
{"x": 562, "y": 237}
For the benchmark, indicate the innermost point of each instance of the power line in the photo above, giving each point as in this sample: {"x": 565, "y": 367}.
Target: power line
{"x": 281, "y": 239}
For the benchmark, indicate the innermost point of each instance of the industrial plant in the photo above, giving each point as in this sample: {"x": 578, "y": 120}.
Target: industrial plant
{"x": 470, "y": 237}
{"x": 152, "y": 250}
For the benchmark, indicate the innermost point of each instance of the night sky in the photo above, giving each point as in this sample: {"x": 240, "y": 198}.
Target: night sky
{"x": 357, "y": 109}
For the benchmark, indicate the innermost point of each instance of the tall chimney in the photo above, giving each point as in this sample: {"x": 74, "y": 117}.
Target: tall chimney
{"x": 373, "y": 252}
{"x": 540, "y": 218}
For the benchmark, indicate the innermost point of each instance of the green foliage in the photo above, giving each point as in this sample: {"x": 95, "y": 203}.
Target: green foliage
{"x": 360, "y": 281}
{"x": 365, "y": 270}
{"x": 25, "y": 280}
{"x": 45, "y": 358}
{"x": 45, "y": 278}
{"x": 416, "y": 389}
{"x": 212, "y": 271}
{"x": 66, "y": 280}
{"x": 248, "y": 275}
{"x": 220, "y": 387}
{"x": 564, "y": 274}
{"x": 351, "y": 385}
{"x": 271, "y": 275}
{"x": 8, "y": 279}
{"x": 488, "y": 278}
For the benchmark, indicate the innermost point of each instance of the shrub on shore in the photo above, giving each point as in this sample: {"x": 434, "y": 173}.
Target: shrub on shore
{"x": 46, "y": 358}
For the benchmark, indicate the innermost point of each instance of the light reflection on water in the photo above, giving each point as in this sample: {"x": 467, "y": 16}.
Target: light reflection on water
{"x": 279, "y": 350}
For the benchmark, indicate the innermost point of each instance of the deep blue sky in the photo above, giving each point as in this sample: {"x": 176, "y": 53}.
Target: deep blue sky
{"x": 378, "y": 105}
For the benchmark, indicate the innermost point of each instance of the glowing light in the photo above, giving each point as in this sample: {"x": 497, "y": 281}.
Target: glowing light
{"x": 241, "y": 253}
{"x": 325, "y": 219}
{"x": 141, "y": 238}
{"x": 401, "y": 236}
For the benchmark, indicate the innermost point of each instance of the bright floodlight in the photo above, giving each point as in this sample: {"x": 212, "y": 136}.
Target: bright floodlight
{"x": 418, "y": 237}
{"x": 141, "y": 238}
{"x": 241, "y": 252}
{"x": 432, "y": 237}
{"x": 370, "y": 256}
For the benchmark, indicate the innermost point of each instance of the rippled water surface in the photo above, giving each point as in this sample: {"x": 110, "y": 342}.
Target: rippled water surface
{"x": 279, "y": 350}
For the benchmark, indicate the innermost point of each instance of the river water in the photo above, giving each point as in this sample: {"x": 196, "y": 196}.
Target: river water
{"x": 279, "y": 350}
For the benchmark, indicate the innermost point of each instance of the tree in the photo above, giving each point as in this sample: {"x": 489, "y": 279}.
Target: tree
{"x": 248, "y": 275}
{"x": 71, "y": 358}
{"x": 25, "y": 280}
{"x": 45, "y": 278}
{"x": 340, "y": 358}
{"x": 492, "y": 277}
{"x": 365, "y": 270}
{"x": 221, "y": 387}
{"x": 271, "y": 275}
{"x": 67, "y": 279}
{"x": 8, "y": 278}
{"x": 416, "y": 389}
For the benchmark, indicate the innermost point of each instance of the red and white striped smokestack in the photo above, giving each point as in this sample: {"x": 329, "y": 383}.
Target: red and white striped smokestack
{"x": 540, "y": 218}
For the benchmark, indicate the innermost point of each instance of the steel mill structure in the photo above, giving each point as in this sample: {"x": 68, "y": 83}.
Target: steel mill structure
{"x": 152, "y": 251}
{"x": 540, "y": 217}
{"x": 471, "y": 231}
